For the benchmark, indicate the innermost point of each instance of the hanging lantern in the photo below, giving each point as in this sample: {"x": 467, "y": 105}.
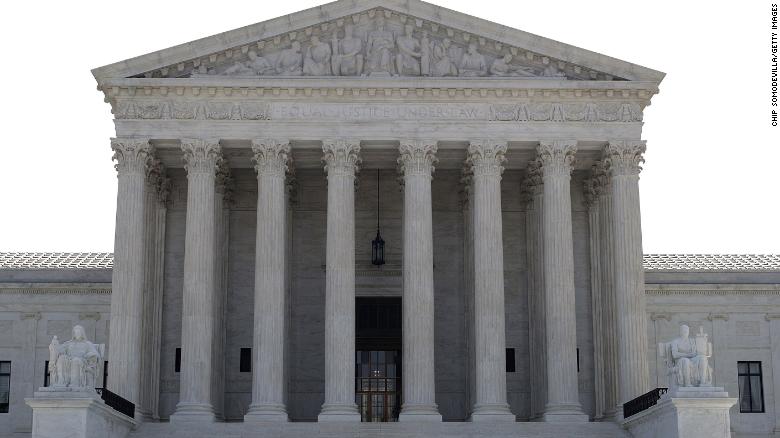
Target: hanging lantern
{"x": 378, "y": 250}
{"x": 378, "y": 244}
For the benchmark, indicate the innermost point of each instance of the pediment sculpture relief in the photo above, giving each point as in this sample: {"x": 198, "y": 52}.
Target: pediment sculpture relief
{"x": 383, "y": 48}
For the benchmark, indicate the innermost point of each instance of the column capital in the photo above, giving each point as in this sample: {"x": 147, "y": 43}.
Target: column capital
{"x": 556, "y": 156}
{"x": 486, "y": 157}
{"x": 624, "y": 157}
{"x": 417, "y": 157}
{"x": 341, "y": 156}
{"x": 157, "y": 180}
{"x": 270, "y": 156}
{"x": 592, "y": 191}
{"x": 223, "y": 183}
{"x": 532, "y": 183}
{"x": 201, "y": 155}
{"x": 131, "y": 154}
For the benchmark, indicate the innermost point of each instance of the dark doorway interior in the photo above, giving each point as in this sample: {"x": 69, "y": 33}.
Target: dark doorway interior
{"x": 378, "y": 358}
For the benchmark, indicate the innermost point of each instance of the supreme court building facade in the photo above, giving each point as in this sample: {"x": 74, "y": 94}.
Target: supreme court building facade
{"x": 257, "y": 167}
{"x": 249, "y": 168}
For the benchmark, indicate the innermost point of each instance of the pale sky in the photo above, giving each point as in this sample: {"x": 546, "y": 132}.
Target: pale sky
{"x": 710, "y": 184}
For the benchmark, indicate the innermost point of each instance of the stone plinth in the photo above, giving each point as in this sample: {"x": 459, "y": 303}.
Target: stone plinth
{"x": 76, "y": 414}
{"x": 688, "y": 413}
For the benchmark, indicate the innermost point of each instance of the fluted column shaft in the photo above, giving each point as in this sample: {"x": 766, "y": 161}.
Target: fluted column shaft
{"x": 341, "y": 162}
{"x": 623, "y": 160}
{"x": 597, "y": 296}
{"x": 486, "y": 158}
{"x": 156, "y": 194}
{"x": 608, "y": 310}
{"x": 201, "y": 159}
{"x": 127, "y": 282}
{"x": 536, "y": 316}
{"x": 270, "y": 158}
{"x": 419, "y": 394}
{"x": 563, "y": 403}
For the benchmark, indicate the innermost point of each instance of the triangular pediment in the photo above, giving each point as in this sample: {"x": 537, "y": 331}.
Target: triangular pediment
{"x": 377, "y": 39}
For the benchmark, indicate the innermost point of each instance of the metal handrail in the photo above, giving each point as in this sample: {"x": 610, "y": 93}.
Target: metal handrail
{"x": 643, "y": 402}
{"x": 116, "y": 402}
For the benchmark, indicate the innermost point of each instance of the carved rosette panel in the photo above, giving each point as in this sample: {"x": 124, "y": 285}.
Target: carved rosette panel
{"x": 417, "y": 157}
{"x": 557, "y": 157}
{"x": 486, "y": 157}
{"x": 341, "y": 157}
{"x": 201, "y": 155}
{"x": 270, "y": 157}
{"x": 132, "y": 155}
{"x": 624, "y": 157}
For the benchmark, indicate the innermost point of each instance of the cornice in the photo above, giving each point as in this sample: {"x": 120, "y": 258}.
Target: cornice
{"x": 55, "y": 288}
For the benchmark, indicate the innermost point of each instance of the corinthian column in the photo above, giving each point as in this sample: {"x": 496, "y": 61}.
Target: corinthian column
{"x": 416, "y": 164}
{"x": 607, "y": 275}
{"x": 535, "y": 255}
{"x": 591, "y": 192}
{"x": 201, "y": 158}
{"x": 132, "y": 156}
{"x": 623, "y": 159}
{"x": 341, "y": 159}
{"x": 270, "y": 157}
{"x": 563, "y": 403}
{"x": 486, "y": 158}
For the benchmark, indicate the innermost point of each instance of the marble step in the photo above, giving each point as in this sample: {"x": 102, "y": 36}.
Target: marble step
{"x": 388, "y": 430}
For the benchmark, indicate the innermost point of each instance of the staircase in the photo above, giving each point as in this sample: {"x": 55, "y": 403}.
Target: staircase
{"x": 394, "y": 430}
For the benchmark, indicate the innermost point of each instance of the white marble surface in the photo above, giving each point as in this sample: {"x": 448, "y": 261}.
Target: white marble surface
{"x": 73, "y": 414}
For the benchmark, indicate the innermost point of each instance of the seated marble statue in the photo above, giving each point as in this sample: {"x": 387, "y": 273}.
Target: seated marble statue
{"x": 75, "y": 363}
{"x": 687, "y": 359}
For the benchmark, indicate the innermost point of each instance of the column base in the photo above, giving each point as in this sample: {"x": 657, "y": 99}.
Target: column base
{"x": 565, "y": 413}
{"x": 334, "y": 413}
{"x": 411, "y": 413}
{"x": 498, "y": 412}
{"x": 266, "y": 413}
{"x": 189, "y": 412}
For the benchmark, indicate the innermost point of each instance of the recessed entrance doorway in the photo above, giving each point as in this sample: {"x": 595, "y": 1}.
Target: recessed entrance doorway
{"x": 378, "y": 358}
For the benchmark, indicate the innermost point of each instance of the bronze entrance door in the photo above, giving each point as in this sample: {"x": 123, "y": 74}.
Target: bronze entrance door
{"x": 378, "y": 393}
{"x": 378, "y": 358}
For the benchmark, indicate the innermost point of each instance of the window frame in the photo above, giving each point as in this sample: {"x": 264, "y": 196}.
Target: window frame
{"x": 5, "y": 408}
{"x": 748, "y": 374}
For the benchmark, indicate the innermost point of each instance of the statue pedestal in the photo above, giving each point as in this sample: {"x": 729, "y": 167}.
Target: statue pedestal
{"x": 694, "y": 412}
{"x": 68, "y": 413}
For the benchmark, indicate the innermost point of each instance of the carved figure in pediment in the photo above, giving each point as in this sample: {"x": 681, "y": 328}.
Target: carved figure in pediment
{"x": 290, "y": 61}
{"x": 259, "y": 65}
{"x": 443, "y": 64}
{"x": 407, "y": 61}
{"x": 317, "y": 59}
{"x": 552, "y": 71}
{"x": 379, "y": 49}
{"x": 503, "y": 67}
{"x": 347, "y": 56}
{"x": 473, "y": 63}
{"x": 425, "y": 54}
{"x": 255, "y": 66}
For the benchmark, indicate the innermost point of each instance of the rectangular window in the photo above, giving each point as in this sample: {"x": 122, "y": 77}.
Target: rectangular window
{"x": 578, "y": 360}
{"x": 46, "y": 374}
{"x": 5, "y": 386}
{"x": 177, "y": 361}
{"x": 510, "y": 360}
{"x": 105, "y": 374}
{"x": 751, "y": 387}
{"x": 245, "y": 362}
